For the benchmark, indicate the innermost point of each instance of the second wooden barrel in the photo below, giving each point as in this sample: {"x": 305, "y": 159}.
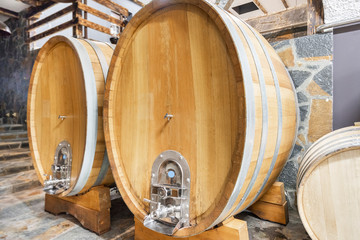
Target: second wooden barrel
{"x": 200, "y": 116}
{"x": 65, "y": 127}
{"x": 328, "y": 186}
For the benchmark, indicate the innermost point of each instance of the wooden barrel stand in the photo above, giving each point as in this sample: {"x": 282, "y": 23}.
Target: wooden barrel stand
{"x": 230, "y": 229}
{"x": 91, "y": 209}
{"x": 272, "y": 206}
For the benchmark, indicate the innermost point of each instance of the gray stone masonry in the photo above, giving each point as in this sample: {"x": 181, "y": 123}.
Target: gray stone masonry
{"x": 16, "y": 63}
{"x": 309, "y": 62}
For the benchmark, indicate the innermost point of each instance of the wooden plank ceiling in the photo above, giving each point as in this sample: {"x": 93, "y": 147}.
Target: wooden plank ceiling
{"x": 244, "y": 9}
{"x": 11, "y": 8}
{"x": 249, "y": 9}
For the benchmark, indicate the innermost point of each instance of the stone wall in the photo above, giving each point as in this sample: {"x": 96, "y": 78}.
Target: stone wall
{"x": 309, "y": 62}
{"x": 16, "y": 63}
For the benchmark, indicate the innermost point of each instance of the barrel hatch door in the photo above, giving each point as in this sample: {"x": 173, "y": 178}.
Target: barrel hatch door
{"x": 59, "y": 180}
{"x": 169, "y": 193}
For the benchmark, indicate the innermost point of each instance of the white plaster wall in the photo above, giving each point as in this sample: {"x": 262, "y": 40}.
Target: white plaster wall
{"x": 336, "y": 10}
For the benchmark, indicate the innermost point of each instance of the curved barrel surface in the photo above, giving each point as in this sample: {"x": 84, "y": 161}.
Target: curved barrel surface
{"x": 328, "y": 190}
{"x": 65, "y": 103}
{"x": 188, "y": 78}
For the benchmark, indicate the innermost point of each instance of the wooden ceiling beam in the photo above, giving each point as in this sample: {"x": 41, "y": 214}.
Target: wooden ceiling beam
{"x": 95, "y": 26}
{"x": 32, "y": 11}
{"x": 53, "y": 30}
{"x": 34, "y": 3}
{"x": 288, "y": 19}
{"x": 113, "y": 6}
{"x": 285, "y": 4}
{"x": 228, "y": 5}
{"x": 261, "y": 7}
{"x": 52, "y": 17}
{"x": 8, "y": 13}
{"x": 138, "y": 2}
{"x": 99, "y": 14}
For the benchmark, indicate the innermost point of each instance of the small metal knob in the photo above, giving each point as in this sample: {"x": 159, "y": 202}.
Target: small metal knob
{"x": 62, "y": 117}
{"x": 168, "y": 116}
{"x": 163, "y": 192}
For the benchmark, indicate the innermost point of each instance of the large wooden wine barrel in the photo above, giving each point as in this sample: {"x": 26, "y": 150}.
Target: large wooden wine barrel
{"x": 195, "y": 92}
{"x": 328, "y": 186}
{"x": 64, "y": 115}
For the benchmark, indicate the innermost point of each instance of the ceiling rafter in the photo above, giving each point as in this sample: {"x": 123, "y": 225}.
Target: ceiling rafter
{"x": 138, "y": 2}
{"x": 228, "y": 5}
{"x": 286, "y": 5}
{"x": 280, "y": 21}
{"x": 33, "y": 11}
{"x": 261, "y": 7}
{"x": 34, "y": 3}
{"x": 8, "y": 13}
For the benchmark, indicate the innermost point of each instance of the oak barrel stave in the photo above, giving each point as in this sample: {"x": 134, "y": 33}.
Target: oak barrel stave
{"x": 68, "y": 79}
{"x": 331, "y": 138}
{"x": 328, "y": 186}
{"x": 233, "y": 103}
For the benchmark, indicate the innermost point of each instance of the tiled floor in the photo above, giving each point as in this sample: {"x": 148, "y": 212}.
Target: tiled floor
{"x": 260, "y": 229}
{"x": 22, "y": 216}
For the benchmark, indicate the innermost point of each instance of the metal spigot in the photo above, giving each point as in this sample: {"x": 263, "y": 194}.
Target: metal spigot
{"x": 168, "y": 116}
{"x": 162, "y": 211}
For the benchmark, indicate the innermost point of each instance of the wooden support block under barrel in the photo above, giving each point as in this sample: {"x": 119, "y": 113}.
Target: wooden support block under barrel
{"x": 92, "y": 209}
{"x": 273, "y": 205}
{"x": 231, "y": 229}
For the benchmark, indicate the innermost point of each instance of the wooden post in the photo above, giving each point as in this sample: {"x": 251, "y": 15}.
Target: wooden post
{"x": 77, "y": 14}
{"x": 85, "y": 17}
{"x": 92, "y": 209}
{"x": 315, "y": 15}
{"x": 231, "y": 229}
{"x": 273, "y": 205}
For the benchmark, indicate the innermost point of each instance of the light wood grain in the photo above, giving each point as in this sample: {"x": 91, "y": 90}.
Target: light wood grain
{"x": 92, "y": 209}
{"x": 271, "y": 212}
{"x": 232, "y": 229}
{"x": 57, "y": 88}
{"x": 328, "y": 186}
{"x": 164, "y": 63}
{"x": 272, "y": 206}
{"x": 98, "y": 198}
{"x": 275, "y": 194}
